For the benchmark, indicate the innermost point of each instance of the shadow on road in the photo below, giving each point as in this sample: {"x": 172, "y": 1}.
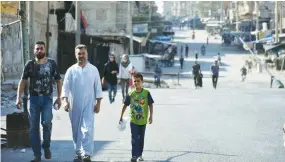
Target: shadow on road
{"x": 62, "y": 150}
{"x": 178, "y": 152}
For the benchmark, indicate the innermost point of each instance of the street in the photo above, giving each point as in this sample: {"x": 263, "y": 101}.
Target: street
{"x": 237, "y": 122}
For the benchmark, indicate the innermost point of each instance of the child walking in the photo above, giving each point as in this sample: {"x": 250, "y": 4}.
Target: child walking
{"x": 141, "y": 110}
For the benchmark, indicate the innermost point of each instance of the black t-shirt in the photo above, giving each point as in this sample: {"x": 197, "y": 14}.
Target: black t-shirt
{"x": 196, "y": 69}
{"x": 41, "y": 77}
{"x": 108, "y": 76}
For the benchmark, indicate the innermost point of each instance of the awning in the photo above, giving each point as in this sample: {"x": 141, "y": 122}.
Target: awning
{"x": 154, "y": 41}
{"x": 135, "y": 38}
{"x": 268, "y": 47}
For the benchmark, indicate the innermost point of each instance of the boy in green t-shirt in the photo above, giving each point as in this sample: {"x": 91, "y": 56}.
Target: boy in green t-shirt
{"x": 140, "y": 102}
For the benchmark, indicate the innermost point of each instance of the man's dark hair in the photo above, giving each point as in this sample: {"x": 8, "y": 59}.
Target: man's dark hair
{"x": 138, "y": 75}
{"x": 41, "y": 43}
{"x": 81, "y": 46}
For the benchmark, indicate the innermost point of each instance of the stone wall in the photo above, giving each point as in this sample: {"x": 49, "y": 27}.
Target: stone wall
{"x": 11, "y": 49}
{"x": 11, "y": 55}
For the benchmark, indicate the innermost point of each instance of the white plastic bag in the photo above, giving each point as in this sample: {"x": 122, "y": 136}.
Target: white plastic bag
{"x": 122, "y": 124}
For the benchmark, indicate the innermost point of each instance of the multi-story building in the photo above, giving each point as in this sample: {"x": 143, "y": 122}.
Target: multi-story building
{"x": 167, "y": 6}
{"x": 184, "y": 8}
{"x": 247, "y": 10}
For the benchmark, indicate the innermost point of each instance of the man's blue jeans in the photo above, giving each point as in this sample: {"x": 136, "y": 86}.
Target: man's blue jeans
{"x": 138, "y": 132}
{"x": 40, "y": 106}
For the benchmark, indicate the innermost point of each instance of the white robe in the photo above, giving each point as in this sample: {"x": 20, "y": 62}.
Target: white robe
{"x": 82, "y": 86}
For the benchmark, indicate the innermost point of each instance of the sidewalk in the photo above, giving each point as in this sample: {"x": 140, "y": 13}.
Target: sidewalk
{"x": 278, "y": 74}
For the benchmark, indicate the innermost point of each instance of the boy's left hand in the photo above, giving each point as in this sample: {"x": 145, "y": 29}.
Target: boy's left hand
{"x": 150, "y": 120}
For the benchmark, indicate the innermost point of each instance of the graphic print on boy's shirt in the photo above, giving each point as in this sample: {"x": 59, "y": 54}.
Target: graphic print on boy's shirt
{"x": 139, "y": 102}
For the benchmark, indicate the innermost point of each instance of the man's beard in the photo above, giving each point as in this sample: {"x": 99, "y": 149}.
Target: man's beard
{"x": 40, "y": 55}
{"x": 81, "y": 59}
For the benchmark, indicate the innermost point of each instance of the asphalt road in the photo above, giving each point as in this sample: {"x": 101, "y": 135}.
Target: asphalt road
{"x": 237, "y": 122}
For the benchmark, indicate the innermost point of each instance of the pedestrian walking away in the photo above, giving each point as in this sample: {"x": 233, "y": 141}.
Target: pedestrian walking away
{"x": 215, "y": 73}
{"x": 243, "y": 73}
{"x": 181, "y": 59}
{"x": 41, "y": 71}
{"x": 196, "y": 72}
{"x": 181, "y": 62}
{"x": 203, "y": 50}
{"x": 157, "y": 75}
{"x": 219, "y": 59}
{"x": 249, "y": 65}
{"x": 82, "y": 94}
{"x": 196, "y": 54}
{"x": 207, "y": 40}
{"x": 186, "y": 51}
{"x": 141, "y": 110}
{"x": 125, "y": 70}
{"x": 111, "y": 69}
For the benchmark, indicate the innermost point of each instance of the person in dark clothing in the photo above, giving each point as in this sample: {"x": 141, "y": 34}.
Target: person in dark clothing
{"x": 157, "y": 75}
{"x": 203, "y": 50}
{"x": 207, "y": 40}
{"x": 196, "y": 72}
{"x": 215, "y": 73}
{"x": 243, "y": 73}
{"x": 181, "y": 58}
{"x": 39, "y": 75}
{"x": 110, "y": 76}
{"x": 186, "y": 51}
{"x": 196, "y": 54}
{"x": 181, "y": 62}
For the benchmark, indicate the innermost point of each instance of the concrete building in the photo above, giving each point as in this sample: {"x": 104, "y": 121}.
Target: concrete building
{"x": 167, "y": 12}
{"x": 11, "y": 49}
{"x": 105, "y": 19}
{"x": 184, "y": 8}
{"x": 246, "y": 10}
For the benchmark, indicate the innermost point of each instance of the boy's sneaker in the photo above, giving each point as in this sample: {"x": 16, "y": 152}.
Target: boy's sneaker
{"x": 141, "y": 158}
{"x": 77, "y": 158}
{"x": 134, "y": 159}
{"x": 86, "y": 158}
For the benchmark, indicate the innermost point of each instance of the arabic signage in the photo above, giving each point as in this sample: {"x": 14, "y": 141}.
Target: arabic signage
{"x": 140, "y": 28}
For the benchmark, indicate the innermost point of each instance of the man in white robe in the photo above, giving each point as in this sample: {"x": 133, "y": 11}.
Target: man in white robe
{"x": 82, "y": 92}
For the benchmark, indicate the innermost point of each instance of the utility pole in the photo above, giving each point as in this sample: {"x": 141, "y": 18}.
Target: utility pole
{"x": 130, "y": 28}
{"x": 31, "y": 26}
{"x": 47, "y": 32}
{"x": 281, "y": 17}
{"x": 237, "y": 23}
{"x": 257, "y": 16}
{"x": 78, "y": 20}
{"x": 149, "y": 11}
{"x": 257, "y": 24}
{"x": 276, "y": 21}
{"x": 221, "y": 14}
{"x": 25, "y": 45}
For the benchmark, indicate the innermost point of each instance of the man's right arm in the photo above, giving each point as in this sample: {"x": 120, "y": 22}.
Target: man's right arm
{"x": 23, "y": 83}
{"x": 21, "y": 88}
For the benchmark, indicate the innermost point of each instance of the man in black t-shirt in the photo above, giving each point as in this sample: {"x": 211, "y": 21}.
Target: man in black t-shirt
{"x": 196, "y": 72}
{"x": 41, "y": 71}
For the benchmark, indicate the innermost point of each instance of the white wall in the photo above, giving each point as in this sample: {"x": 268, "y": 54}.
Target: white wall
{"x": 100, "y": 15}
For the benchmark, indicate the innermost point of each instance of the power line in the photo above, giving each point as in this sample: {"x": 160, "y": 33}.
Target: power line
{"x": 67, "y": 11}
{"x": 11, "y": 23}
